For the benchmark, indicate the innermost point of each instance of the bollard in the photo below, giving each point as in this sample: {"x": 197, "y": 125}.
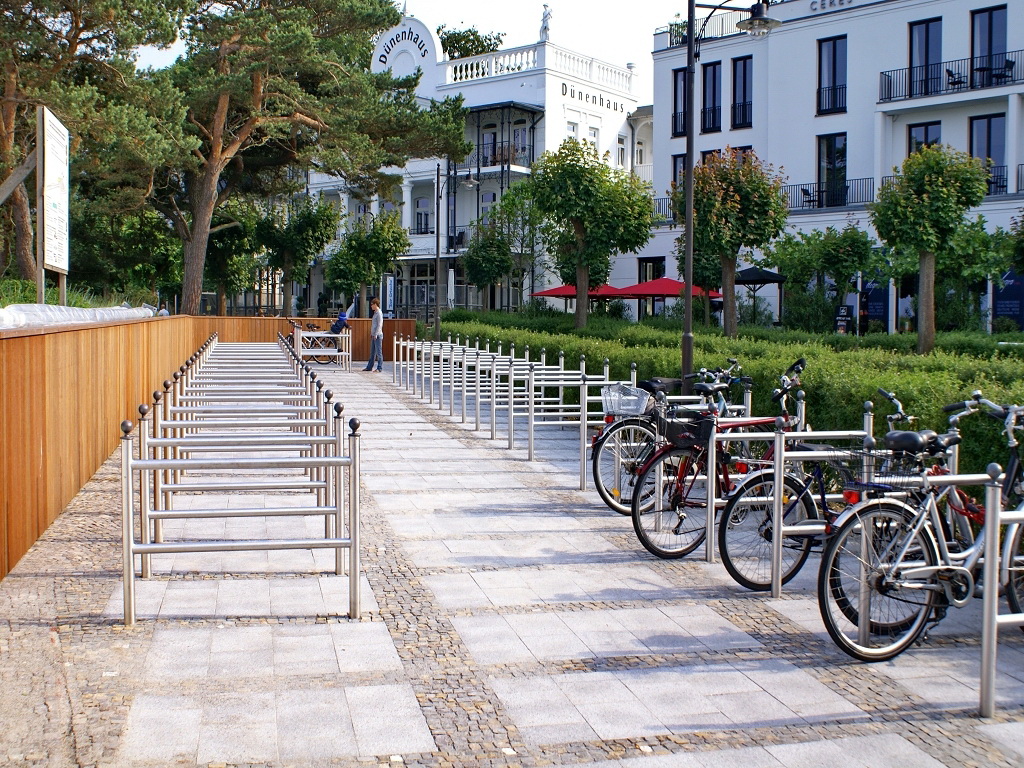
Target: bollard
{"x": 127, "y": 524}
{"x": 778, "y": 500}
{"x": 354, "y": 608}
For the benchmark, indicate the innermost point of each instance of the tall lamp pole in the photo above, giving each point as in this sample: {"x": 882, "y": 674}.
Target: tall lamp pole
{"x": 758, "y": 24}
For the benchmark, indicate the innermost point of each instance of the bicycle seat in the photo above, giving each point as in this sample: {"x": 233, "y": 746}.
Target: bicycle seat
{"x": 904, "y": 441}
{"x": 709, "y": 390}
{"x": 659, "y": 384}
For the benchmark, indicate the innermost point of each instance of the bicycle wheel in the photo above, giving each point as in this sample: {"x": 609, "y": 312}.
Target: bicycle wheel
{"x": 745, "y": 530}
{"x": 318, "y": 343}
{"x": 669, "y": 503}
{"x": 861, "y": 567}
{"x": 1015, "y": 586}
{"x": 617, "y": 456}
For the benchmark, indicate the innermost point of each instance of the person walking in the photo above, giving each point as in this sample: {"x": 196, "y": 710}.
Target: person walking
{"x": 376, "y": 337}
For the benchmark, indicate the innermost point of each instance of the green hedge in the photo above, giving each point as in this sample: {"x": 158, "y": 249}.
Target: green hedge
{"x": 836, "y": 383}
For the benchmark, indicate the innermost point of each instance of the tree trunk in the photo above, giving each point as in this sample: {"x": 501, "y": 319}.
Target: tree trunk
{"x": 926, "y": 303}
{"x": 23, "y": 241}
{"x": 729, "y": 295}
{"x": 222, "y": 300}
{"x": 362, "y": 301}
{"x": 204, "y": 201}
{"x": 582, "y": 289}
{"x": 288, "y": 292}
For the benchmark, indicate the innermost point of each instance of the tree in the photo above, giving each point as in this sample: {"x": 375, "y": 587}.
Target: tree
{"x": 231, "y": 262}
{"x": 368, "y": 250}
{"x": 738, "y": 203}
{"x": 292, "y": 238}
{"x": 275, "y": 87}
{"x": 74, "y": 56}
{"x": 488, "y": 259}
{"x": 590, "y": 212}
{"x": 922, "y": 210}
{"x": 464, "y": 43}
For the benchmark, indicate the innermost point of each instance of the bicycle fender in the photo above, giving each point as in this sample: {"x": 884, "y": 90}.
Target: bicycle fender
{"x": 861, "y": 506}
{"x": 1007, "y": 553}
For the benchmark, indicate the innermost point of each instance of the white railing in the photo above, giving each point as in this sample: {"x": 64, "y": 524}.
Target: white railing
{"x": 539, "y": 56}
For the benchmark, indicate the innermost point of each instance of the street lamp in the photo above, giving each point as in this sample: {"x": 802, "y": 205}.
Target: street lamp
{"x": 469, "y": 183}
{"x": 758, "y": 24}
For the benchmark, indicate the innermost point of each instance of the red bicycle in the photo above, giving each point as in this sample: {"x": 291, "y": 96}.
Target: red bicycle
{"x": 669, "y": 503}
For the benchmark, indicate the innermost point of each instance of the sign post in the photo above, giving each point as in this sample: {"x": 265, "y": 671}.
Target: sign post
{"x": 52, "y": 202}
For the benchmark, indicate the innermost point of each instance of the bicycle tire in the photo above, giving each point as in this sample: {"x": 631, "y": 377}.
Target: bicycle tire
{"x": 899, "y": 609}
{"x": 617, "y": 456}
{"x": 745, "y": 531}
{"x": 670, "y": 521}
{"x": 1015, "y": 585}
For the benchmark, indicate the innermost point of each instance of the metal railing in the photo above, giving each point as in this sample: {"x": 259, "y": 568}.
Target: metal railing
{"x": 831, "y": 99}
{"x": 743, "y": 114}
{"x": 229, "y": 398}
{"x": 710, "y": 119}
{"x": 503, "y": 153}
{"x": 678, "y": 123}
{"x": 998, "y": 180}
{"x": 829, "y": 194}
{"x": 664, "y": 212}
{"x": 954, "y": 76}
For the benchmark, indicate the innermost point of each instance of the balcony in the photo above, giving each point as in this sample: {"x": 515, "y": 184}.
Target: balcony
{"x": 664, "y": 213}
{"x": 743, "y": 114}
{"x": 678, "y": 124}
{"x": 956, "y": 76}
{"x": 829, "y": 194}
{"x": 998, "y": 180}
{"x": 722, "y": 25}
{"x": 710, "y": 119}
{"x": 503, "y": 154}
{"x": 831, "y": 99}
{"x": 644, "y": 172}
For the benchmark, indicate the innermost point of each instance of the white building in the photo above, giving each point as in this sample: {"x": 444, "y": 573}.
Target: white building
{"x": 521, "y": 101}
{"x": 837, "y": 96}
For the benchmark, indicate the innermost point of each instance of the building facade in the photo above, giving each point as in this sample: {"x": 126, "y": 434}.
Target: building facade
{"x": 521, "y": 102}
{"x": 836, "y": 97}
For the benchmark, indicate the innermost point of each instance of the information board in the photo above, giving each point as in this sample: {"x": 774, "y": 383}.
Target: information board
{"x": 53, "y": 189}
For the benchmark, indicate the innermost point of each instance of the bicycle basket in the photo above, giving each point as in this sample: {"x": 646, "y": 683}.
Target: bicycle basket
{"x": 688, "y": 433}
{"x": 624, "y": 400}
{"x": 879, "y": 470}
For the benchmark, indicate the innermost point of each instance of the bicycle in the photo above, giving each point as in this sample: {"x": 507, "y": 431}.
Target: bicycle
{"x": 746, "y": 525}
{"x": 673, "y": 481}
{"x": 319, "y": 342}
{"x": 893, "y": 567}
{"x": 633, "y": 414}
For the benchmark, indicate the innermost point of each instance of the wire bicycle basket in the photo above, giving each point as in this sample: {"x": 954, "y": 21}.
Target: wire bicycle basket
{"x": 624, "y": 400}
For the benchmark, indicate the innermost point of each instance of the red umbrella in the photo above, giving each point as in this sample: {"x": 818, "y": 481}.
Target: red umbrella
{"x": 663, "y": 287}
{"x": 569, "y": 292}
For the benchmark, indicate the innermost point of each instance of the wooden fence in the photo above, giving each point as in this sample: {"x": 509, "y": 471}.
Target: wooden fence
{"x": 64, "y": 391}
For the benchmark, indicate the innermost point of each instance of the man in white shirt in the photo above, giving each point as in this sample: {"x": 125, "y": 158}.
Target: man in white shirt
{"x": 376, "y": 337}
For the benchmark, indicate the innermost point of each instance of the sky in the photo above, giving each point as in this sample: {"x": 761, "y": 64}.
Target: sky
{"x": 615, "y": 33}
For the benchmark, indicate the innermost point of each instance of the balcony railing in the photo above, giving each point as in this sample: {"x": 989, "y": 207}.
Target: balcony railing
{"x": 831, "y": 99}
{"x": 1020, "y": 178}
{"x": 829, "y": 194}
{"x": 722, "y": 25}
{"x": 953, "y": 76}
{"x": 743, "y": 114}
{"x": 678, "y": 123}
{"x": 998, "y": 180}
{"x": 504, "y": 154}
{"x": 664, "y": 213}
{"x": 710, "y": 119}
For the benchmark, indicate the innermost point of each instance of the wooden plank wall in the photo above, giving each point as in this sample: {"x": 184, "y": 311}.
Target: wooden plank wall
{"x": 64, "y": 391}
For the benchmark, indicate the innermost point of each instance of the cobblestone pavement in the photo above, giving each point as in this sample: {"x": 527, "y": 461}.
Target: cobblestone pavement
{"x": 511, "y": 620}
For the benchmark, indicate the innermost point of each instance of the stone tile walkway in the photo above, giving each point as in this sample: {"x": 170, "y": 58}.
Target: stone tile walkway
{"x": 510, "y": 620}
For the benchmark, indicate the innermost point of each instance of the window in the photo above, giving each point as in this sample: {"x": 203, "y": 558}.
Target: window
{"x": 422, "y": 224}
{"x": 742, "y": 92}
{"x": 649, "y": 268}
{"x": 388, "y": 206}
{"x": 489, "y": 146}
{"x": 679, "y": 102}
{"x": 678, "y": 168}
{"x": 711, "y": 113}
{"x": 521, "y": 144}
{"x": 593, "y": 136}
{"x": 988, "y": 141}
{"x": 639, "y": 153}
{"x": 620, "y": 148}
{"x": 926, "y": 70}
{"x": 922, "y": 134}
{"x": 572, "y": 130}
{"x": 988, "y": 47}
{"x": 487, "y": 201}
{"x": 708, "y": 153}
{"x": 832, "y": 75}
{"x": 832, "y": 185}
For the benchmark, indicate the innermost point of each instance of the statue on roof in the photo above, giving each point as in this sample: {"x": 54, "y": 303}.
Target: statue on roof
{"x": 545, "y": 24}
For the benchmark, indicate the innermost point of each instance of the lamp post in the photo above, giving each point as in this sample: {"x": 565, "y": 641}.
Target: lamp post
{"x": 469, "y": 183}
{"x": 758, "y": 24}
